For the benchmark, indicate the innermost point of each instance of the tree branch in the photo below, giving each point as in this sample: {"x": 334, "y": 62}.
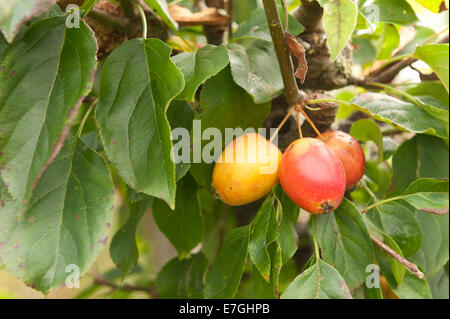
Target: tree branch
{"x": 291, "y": 90}
{"x": 215, "y": 34}
{"x": 407, "y": 264}
{"x": 389, "y": 72}
{"x": 103, "y": 281}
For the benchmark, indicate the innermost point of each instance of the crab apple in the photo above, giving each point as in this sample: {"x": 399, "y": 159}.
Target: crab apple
{"x": 246, "y": 170}
{"x": 312, "y": 176}
{"x": 350, "y": 152}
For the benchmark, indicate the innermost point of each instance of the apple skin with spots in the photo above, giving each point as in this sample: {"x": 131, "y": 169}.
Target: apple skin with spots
{"x": 350, "y": 153}
{"x": 247, "y": 170}
{"x": 312, "y": 176}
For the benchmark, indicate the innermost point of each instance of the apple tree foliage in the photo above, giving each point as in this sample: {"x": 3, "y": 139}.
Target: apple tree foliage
{"x": 83, "y": 140}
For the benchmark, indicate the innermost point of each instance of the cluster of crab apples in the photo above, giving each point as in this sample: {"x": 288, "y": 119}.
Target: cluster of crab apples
{"x": 313, "y": 172}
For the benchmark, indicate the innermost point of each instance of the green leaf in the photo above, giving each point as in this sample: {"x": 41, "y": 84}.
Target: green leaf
{"x": 413, "y": 288}
{"x": 66, "y": 222}
{"x": 389, "y": 42}
{"x": 364, "y": 51}
{"x": 14, "y": 13}
{"x": 393, "y": 271}
{"x": 161, "y": 8}
{"x": 368, "y": 130}
{"x": 224, "y": 277}
{"x": 320, "y": 281}
{"x": 182, "y": 279}
{"x": 123, "y": 249}
{"x": 43, "y": 78}
{"x": 339, "y": 22}
{"x": 436, "y": 56}
{"x": 404, "y": 115}
{"x": 184, "y": 225}
{"x": 225, "y": 105}
{"x": 418, "y": 195}
{"x": 254, "y": 68}
{"x": 397, "y": 12}
{"x": 288, "y": 237}
{"x": 256, "y": 27}
{"x": 439, "y": 285}
{"x": 421, "y": 156}
{"x": 399, "y": 222}
{"x": 431, "y": 88}
{"x": 422, "y": 35}
{"x": 434, "y": 253}
{"x": 345, "y": 243}
{"x": 180, "y": 115}
{"x": 137, "y": 83}
{"x": 263, "y": 232}
{"x": 199, "y": 66}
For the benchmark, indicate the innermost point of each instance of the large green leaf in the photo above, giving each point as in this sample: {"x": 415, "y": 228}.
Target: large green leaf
{"x": 199, "y": 66}
{"x": 405, "y": 115}
{"x": 256, "y": 27}
{"x": 161, "y": 8}
{"x": 180, "y": 115}
{"x": 320, "y": 281}
{"x": 123, "y": 249}
{"x": 399, "y": 222}
{"x": 345, "y": 243}
{"x": 393, "y": 271}
{"x": 436, "y": 56}
{"x": 254, "y": 68}
{"x": 434, "y": 253}
{"x": 137, "y": 83}
{"x": 389, "y": 42}
{"x": 14, "y": 13}
{"x": 339, "y": 22}
{"x": 263, "y": 289}
{"x": 224, "y": 277}
{"x": 368, "y": 130}
{"x": 422, "y": 156}
{"x": 413, "y": 288}
{"x": 263, "y": 232}
{"x": 182, "y": 279}
{"x": 397, "y": 12}
{"x": 431, "y": 88}
{"x": 288, "y": 237}
{"x": 184, "y": 225}
{"x": 44, "y": 77}
{"x": 225, "y": 105}
{"x": 66, "y": 223}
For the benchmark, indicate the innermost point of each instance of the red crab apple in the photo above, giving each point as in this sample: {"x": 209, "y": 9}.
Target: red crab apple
{"x": 350, "y": 153}
{"x": 312, "y": 176}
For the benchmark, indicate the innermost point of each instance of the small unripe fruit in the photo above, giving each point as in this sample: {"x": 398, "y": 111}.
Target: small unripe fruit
{"x": 247, "y": 170}
{"x": 312, "y": 176}
{"x": 350, "y": 153}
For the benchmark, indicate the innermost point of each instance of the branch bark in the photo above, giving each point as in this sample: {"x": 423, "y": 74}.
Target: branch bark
{"x": 215, "y": 34}
{"x": 407, "y": 264}
{"x": 101, "y": 280}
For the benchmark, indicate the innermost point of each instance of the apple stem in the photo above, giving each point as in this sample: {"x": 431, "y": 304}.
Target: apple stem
{"x": 299, "y": 127}
{"x": 300, "y": 108}
{"x": 280, "y": 126}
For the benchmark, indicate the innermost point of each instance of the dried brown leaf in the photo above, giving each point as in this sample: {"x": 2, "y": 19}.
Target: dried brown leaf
{"x": 297, "y": 49}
